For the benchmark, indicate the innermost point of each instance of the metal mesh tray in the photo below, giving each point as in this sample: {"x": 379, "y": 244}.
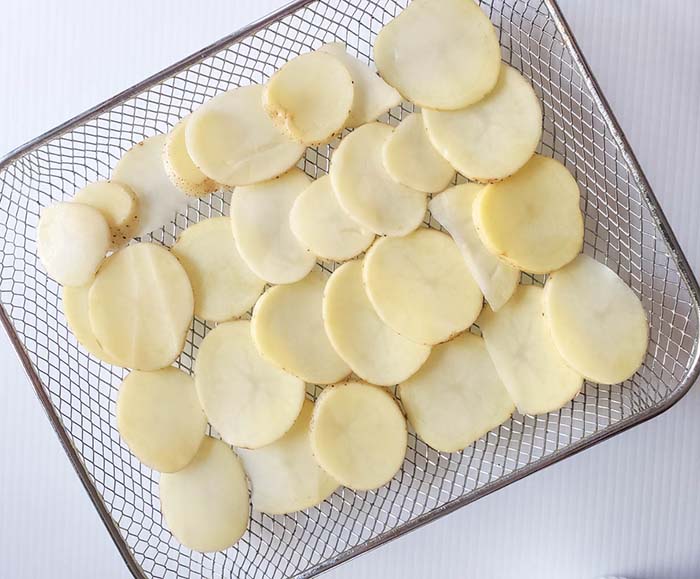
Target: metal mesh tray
{"x": 624, "y": 228}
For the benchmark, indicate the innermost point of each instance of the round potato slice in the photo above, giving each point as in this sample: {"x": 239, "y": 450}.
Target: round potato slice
{"x": 222, "y": 283}
{"x": 365, "y": 190}
{"x": 532, "y": 220}
{"x": 520, "y": 344}
{"x": 284, "y": 475}
{"x": 206, "y": 504}
{"x": 490, "y": 139}
{"x": 288, "y": 330}
{"x": 260, "y": 221}
{"x": 72, "y": 241}
{"x": 457, "y": 396}
{"x": 141, "y": 307}
{"x": 322, "y": 227}
{"x": 442, "y": 54}
{"x": 233, "y": 141}
{"x": 373, "y": 350}
{"x": 598, "y": 323}
{"x": 247, "y": 399}
{"x": 358, "y": 435}
{"x": 420, "y": 286}
{"x": 160, "y": 419}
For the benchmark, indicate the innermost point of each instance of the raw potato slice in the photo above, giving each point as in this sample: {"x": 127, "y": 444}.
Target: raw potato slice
{"x": 420, "y": 286}
{"x": 205, "y": 505}
{"x": 366, "y": 191}
{"x": 373, "y": 350}
{"x": 442, "y": 54}
{"x": 141, "y": 307}
{"x": 372, "y": 96}
{"x": 288, "y": 331}
{"x": 322, "y": 227}
{"x": 358, "y": 435}
{"x": 222, "y": 283}
{"x": 247, "y": 399}
{"x": 118, "y": 205}
{"x": 494, "y": 137}
{"x": 411, "y": 159}
{"x": 233, "y": 141}
{"x": 310, "y": 97}
{"x": 453, "y": 210}
{"x": 72, "y": 240}
{"x": 260, "y": 221}
{"x": 160, "y": 419}
{"x": 141, "y": 168}
{"x": 457, "y": 396}
{"x": 532, "y": 220}
{"x": 284, "y": 475}
{"x": 521, "y": 347}
{"x": 598, "y": 323}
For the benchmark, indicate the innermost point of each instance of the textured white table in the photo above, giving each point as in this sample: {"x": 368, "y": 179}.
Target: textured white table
{"x": 629, "y": 506}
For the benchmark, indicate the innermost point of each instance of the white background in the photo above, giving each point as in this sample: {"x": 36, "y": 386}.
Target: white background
{"x": 629, "y": 506}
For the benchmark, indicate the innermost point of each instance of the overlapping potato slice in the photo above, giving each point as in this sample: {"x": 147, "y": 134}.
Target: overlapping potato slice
{"x": 118, "y": 204}
{"x": 179, "y": 166}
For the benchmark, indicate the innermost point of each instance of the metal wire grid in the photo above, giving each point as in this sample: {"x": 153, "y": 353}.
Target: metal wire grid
{"x": 620, "y": 230}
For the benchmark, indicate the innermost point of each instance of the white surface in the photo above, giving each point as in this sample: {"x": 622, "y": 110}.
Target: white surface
{"x": 628, "y": 507}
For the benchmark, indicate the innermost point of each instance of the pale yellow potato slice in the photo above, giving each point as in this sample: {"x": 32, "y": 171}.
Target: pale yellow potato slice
{"x": 374, "y": 351}
{"x": 118, "y": 204}
{"x": 248, "y": 400}
{"x": 598, "y": 323}
{"x": 284, "y": 476}
{"x": 453, "y": 210}
{"x": 457, "y": 396}
{"x": 532, "y": 220}
{"x": 141, "y": 307}
{"x": 421, "y": 287}
{"x": 206, "y": 504}
{"x": 358, "y": 435}
{"x": 520, "y": 344}
{"x": 260, "y": 222}
{"x": 224, "y": 287}
{"x": 287, "y": 328}
{"x": 494, "y": 137}
{"x": 160, "y": 419}
{"x": 442, "y": 54}
{"x": 233, "y": 141}
{"x": 365, "y": 190}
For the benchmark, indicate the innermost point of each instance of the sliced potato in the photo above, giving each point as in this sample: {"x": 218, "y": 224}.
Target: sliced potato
{"x": 457, "y": 396}
{"x": 519, "y": 342}
{"x": 373, "y": 350}
{"x": 598, "y": 323}
{"x": 420, "y": 286}
{"x": 118, "y": 204}
{"x": 532, "y": 220}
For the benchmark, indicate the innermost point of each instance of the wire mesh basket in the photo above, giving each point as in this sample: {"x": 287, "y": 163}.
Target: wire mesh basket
{"x": 624, "y": 228}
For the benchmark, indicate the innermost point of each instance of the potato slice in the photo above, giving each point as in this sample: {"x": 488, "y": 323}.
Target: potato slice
{"x": 247, "y": 399}
{"x": 521, "y": 347}
{"x": 442, "y": 54}
{"x": 160, "y": 419}
{"x": 494, "y": 137}
{"x": 366, "y": 191}
{"x": 222, "y": 283}
{"x": 457, "y": 396}
{"x": 141, "y": 307}
{"x": 532, "y": 220}
{"x": 323, "y": 228}
{"x": 232, "y": 140}
{"x": 72, "y": 240}
{"x": 284, "y": 475}
{"x": 205, "y": 505}
{"x": 260, "y": 221}
{"x": 287, "y": 329}
{"x": 453, "y": 210}
{"x": 598, "y": 323}
{"x": 420, "y": 286}
{"x": 373, "y": 350}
